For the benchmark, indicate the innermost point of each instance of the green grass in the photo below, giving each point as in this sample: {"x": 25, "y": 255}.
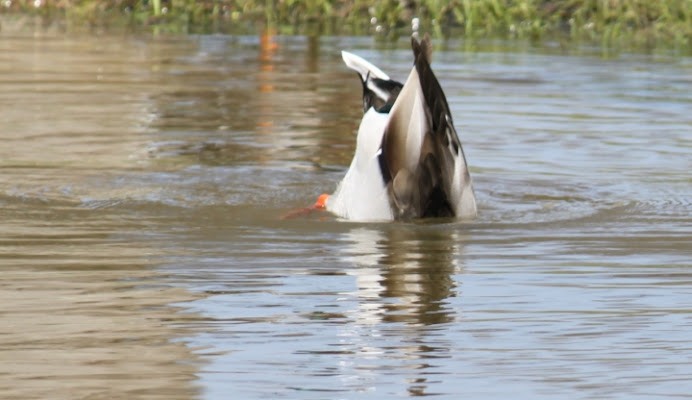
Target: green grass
{"x": 630, "y": 23}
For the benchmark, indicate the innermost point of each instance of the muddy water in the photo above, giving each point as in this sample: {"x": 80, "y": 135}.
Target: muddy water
{"x": 142, "y": 181}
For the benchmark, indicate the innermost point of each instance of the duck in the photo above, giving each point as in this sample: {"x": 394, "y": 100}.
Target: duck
{"x": 409, "y": 162}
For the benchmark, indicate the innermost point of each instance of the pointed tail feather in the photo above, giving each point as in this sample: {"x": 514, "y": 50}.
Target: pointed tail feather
{"x": 379, "y": 91}
{"x": 362, "y": 66}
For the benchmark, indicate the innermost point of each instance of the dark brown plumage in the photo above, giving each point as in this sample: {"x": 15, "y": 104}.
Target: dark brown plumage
{"x": 425, "y": 191}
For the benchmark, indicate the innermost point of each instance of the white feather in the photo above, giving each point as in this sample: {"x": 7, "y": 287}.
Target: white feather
{"x": 362, "y": 66}
{"x": 367, "y": 71}
{"x": 411, "y": 104}
{"x": 463, "y": 198}
{"x": 362, "y": 194}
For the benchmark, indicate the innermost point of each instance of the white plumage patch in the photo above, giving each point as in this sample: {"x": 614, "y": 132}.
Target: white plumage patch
{"x": 362, "y": 194}
{"x": 401, "y": 168}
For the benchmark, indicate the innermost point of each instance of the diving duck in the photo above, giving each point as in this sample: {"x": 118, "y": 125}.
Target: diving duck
{"x": 408, "y": 162}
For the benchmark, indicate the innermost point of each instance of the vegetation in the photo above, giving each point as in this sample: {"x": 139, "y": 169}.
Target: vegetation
{"x": 612, "y": 22}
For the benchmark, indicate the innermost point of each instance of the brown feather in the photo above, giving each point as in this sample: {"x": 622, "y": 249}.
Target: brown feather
{"x": 425, "y": 191}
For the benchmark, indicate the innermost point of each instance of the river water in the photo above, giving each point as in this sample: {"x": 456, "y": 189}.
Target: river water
{"x": 142, "y": 185}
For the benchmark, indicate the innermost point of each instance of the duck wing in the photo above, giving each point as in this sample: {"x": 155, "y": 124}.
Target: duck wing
{"x": 421, "y": 158}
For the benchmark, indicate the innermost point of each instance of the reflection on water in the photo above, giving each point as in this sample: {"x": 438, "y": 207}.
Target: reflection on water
{"x": 142, "y": 182}
{"x": 92, "y": 334}
{"x": 403, "y": 276}
{"x": 83, "y": 314}
{"x": 412, "y": 265}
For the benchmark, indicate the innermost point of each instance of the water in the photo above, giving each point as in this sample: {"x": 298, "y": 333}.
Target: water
{"x": 144, "y": 256}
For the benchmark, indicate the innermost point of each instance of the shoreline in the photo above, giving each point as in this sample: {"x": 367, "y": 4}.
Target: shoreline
{"x": 611, "y": 24}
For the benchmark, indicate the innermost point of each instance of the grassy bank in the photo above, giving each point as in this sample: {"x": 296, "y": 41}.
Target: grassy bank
{"x": 647, "y": 23}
